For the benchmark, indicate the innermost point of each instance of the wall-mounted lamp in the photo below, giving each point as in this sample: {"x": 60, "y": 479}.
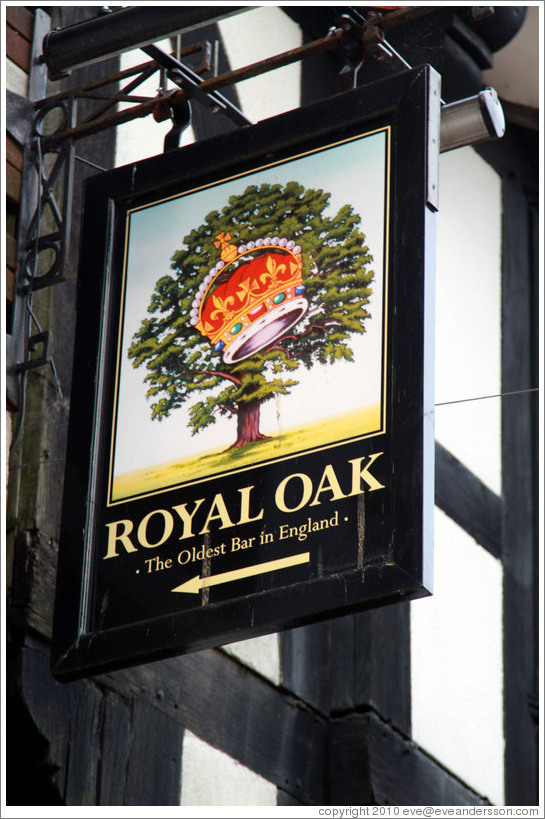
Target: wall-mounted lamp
{"x": 474, "y": 119}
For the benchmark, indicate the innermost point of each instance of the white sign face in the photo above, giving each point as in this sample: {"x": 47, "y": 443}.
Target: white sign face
{"x": 309, "y": 341}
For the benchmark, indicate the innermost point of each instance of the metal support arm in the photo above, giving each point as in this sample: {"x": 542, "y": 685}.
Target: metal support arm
{"x": 114, "y": 32}
{"x": 184, "y": 77}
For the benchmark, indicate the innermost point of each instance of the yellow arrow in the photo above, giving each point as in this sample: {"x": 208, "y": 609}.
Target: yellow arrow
{"x": 196, "y": 583}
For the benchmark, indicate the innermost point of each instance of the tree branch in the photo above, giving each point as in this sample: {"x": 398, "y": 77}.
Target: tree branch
{"x": 228, "y": 376}
{"x": 282, "y": 349}
{"x": 322, "y": 327}
{"x": 204, "y": 373}
{"x": 296, "y": 338}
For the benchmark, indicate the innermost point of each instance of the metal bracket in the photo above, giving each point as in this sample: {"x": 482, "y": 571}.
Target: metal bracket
{"x": 20, "y": 343}
{"x": 34, "y": 341}
{"x": 181, "y": 119}
{"x": 190, "y": 82}
{"x": 44, "y": 235}
{"x": 434, "y": 140}
{"x": 48, "y": 172}
{"x": 50, "y": 168}
{"x": 368, "y": 40}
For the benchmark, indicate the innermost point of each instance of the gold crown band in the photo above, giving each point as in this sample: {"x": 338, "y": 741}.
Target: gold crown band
{"x": 258, "y": 297}
{"x": 274, "y": 243}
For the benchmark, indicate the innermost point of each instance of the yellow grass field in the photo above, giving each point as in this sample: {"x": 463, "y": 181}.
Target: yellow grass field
{"x": 155, "y": 478}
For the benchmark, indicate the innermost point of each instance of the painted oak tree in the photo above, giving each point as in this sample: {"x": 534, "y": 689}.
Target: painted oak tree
{"x": 182, "y": 365}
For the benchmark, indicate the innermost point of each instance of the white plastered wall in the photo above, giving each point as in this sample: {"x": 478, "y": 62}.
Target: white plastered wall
{"x": 212, "y": 778}
{"x": 142, "y": 138}
{"x": 272, "y": 32}
{"x": 468, "y": 313}
{"x": 456, "y": 636}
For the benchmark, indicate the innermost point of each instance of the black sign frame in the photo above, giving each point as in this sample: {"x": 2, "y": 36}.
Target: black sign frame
{"x": 394, "y": 527}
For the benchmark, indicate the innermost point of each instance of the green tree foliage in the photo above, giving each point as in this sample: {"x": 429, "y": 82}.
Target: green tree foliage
{"x": 182, "y": 365}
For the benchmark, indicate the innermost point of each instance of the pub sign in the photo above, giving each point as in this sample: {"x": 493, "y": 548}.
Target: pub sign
{"x": 251, "y": 425}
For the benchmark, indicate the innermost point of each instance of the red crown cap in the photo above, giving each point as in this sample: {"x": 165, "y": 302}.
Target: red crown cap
{"x": 257, "y": 302}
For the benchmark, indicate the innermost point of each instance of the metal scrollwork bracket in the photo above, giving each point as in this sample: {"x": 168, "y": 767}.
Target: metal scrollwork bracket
{"x": 36, "y": 244}
{"x": 48, "y": 128}
{"x": 44, "y": 234}
{"x": 52, "y": 166}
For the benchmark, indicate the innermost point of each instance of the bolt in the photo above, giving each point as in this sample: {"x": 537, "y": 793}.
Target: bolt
{"x": 481, "y": 12}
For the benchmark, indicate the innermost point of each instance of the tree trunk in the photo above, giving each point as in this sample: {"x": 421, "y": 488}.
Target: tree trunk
{"x": 248, "y": 424}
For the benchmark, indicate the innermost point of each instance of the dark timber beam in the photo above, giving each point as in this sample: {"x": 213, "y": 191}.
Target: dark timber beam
{"x": 467, "y": 500}
{"x": 214, "y": 696}
{"x": 118, "y": 738}
{"x": 372, "y": 764}
{"x": 519, "y": 524}
{"x": 99, "y": 748}
{"x": 516, "y": 159}
{"x": 236, "y": 711}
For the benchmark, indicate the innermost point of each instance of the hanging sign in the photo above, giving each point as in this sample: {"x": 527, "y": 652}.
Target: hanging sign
{"x": 251, "y": 437}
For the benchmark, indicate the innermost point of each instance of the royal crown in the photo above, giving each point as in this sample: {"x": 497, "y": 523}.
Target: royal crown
{"x": 244, "y": 306}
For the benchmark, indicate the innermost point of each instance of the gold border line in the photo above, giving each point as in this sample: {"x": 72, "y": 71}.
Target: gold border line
{"x": 115, "y": 402}
{"x": 386, "y": 269}
{"x": 257, "y": 465}
{"x": 262, "y": 168}
{"x": 387, "y": 131}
